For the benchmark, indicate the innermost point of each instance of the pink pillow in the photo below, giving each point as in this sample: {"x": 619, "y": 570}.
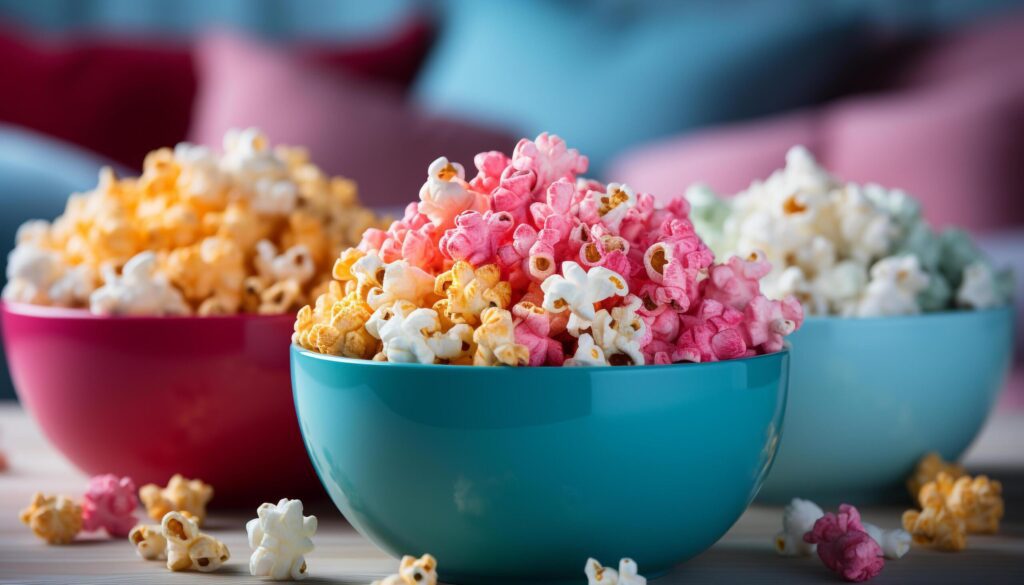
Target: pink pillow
{"x": 953, "y": 140}
{"x": 351, "y": 127}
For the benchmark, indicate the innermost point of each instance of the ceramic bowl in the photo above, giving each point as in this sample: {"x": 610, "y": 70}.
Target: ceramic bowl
{"x": 148, "y": 397}
{"x": 520, "y": 474}
{"x": 869, "y": 397}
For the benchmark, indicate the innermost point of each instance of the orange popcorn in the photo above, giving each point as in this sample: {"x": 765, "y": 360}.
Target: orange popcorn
{"x": 936, "y": 526}
{"x": 978, "y": 501}
{"x": 928, "y": 469}
{"x": 55, "y": 519}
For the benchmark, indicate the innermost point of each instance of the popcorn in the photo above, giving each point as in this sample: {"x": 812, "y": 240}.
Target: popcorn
{"x": 626, "y": 575}
{"x": 844, "y": 546}
{"x": 186, "y": 236}
{"x": 280, "y": 537}
{"x": 824, "y": 238}
{"x": 180, "y": 495}
{"x": 413, "y": 571}
{"x": 54, "y": 519}
{"x": 936, "y": 526}
{"x": 149, "y": 541}
{"x": 109, "y": 503}
{"x": 928, "y": 469}
{"x": 189, "y": 549}
{"x": 894, "y": 543}
{"x": 978, "y": 501}
{"x": 528, "y": 263}
{"x": 798, "y": 519}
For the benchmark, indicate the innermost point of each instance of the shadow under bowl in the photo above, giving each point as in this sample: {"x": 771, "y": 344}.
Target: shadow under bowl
{"x": 869, "y": 397}
{"x": 147, "y": 397}
{"x": 521, "y": 474}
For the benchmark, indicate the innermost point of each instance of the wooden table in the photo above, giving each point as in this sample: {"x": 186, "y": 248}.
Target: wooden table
{"x": 342, "y": 556}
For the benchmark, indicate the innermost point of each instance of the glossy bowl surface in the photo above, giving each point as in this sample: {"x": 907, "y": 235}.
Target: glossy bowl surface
{"x": 868, "y": 397}
{"x": 152, "y": 396}
{"x": 520, "y": 474}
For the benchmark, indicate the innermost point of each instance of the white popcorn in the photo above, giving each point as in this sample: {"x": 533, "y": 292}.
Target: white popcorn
{"x": 31, "y": 271}
{"x": 797, "y": 519}
{"x": 866, "y": 231}
{"x": 33, "y": 231}
{"x": 577, "y": 290}
{"x": 249, "y": 158}
{"x": 149, "y": 541}
{"x": 444, "y": 194}
{"x": 979, "y": 289}
{"x": 455, "y": 343}
{"x": 280, "y": 538}
{"x": 272, "y": 197}
{"x": 295, "y": 263}
{"x": 405, "y": 331}
{"x": 587, "y": 353}
{"x": 139, "y": 290}
{"x": 368, "y": 271}
{"x": 621, "y": 331}
{"x": 628, "y": 573}
{"x": 613, "y": 204}
{"x": 402, "y": 282}
{"x": 201, "y": 176}
{"x": 895, "y": 283}
{"x": 187, "y": 548}
{"x": 74, "y": 287}
{"x": 894, "y": 543}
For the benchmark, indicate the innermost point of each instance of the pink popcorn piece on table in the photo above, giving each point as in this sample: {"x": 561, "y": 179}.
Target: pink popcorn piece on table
{"x": 844, "y": 546}
{"x": 109, "y": 503}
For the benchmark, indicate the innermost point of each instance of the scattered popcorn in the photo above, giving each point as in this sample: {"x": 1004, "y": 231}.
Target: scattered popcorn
{"x": 189, "y": 549}
{"x": 109, "y": 503}
{"x": 149, "y": 541}
{"x": 894, "y": 543}
{"x": 936, "y": 526}
{"x": 978, "y": 501}
{"x": 847, "y": 249}
{"x": 628, "y": 573}
{"x": 528, "y": 263}
{"x": 280, "y": 537}
{"x": 928, "y": 469}
{"x": 186, "y": 236}
{"x": 845, "y": 547}
{"x": 413, "y": 571}
{"x": 180, "y": 495}
{"x": 55, "y": 519}
{"x": 798, "y": 518}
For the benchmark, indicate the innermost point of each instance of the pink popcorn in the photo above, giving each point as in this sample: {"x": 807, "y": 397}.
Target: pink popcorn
{"x": 549, "y": 158}
{"x": 476, "y": 237}
{"x": 109, "y": 503}
{"x": 844, "y": 546}
{"x": 489, "y": 166}
{"x": 768, "y": 322}
{"x": 736, "y": 283}
{"x": 533, "y": 329}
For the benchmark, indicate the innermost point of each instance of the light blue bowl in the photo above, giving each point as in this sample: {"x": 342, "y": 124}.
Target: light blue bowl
{"x": 869, "y": 397}
{"x": 520, "y": 474}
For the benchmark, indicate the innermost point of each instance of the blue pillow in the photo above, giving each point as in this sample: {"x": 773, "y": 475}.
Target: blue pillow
{"x": 610, "y": 74}
{"x": 37, "y": 174}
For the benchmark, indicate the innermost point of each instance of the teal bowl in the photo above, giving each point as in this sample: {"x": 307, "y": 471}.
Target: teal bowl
{"x": 520, "y": 474}
{"x": 869, "y": 397}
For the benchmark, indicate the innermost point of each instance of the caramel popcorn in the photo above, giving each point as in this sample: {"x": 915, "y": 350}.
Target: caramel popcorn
{"x": 198, "y": 225}
{"x": 467, "y": 292}
{"x": 978, "y": 501}
{"x": 187, "y": 548}
{"x": 928, "y": 469}
{"x": 936, "y": 526}
{"x": 149, "y": 541}
{"x": 55, "y": 519}
{"x": 180, "y": 495}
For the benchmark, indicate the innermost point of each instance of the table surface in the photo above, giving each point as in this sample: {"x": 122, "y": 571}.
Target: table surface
{"x": 745, "y": 555}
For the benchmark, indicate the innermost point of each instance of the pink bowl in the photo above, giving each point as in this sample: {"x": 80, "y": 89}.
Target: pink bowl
{"x": 149, "y": 397}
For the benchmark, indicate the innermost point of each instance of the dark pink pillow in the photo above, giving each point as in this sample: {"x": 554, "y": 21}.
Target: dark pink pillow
{"x": 953, "y": 136}
{"x": 352, "y": 127}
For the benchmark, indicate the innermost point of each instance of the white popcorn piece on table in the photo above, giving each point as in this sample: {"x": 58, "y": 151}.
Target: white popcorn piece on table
{"x": 628, "y": 573}
{"x": 149, "y": 541}
{"x": 187, "y": 548}
{"x": 139, "y": 290}
{"x": 280, "y": 538}
{"x": 894, "y": 543}
{"x": 413, "y": 571}
{"x": 577, "y": 290}
{"x": 798, "y": 518}
{"x": 295, "y": 263}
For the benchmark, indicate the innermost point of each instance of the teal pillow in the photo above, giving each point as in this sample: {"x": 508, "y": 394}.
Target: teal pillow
{"x": 607, "y": 75}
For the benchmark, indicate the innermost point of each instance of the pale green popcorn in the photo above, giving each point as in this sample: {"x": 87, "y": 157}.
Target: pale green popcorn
{"x": 958, "y": 251}
{"x": 983, "y": 287}
{"x": 708, "y": 213}
{"x": 936, "y": 296}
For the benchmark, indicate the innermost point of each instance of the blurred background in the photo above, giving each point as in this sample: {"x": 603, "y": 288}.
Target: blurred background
{"x": 925, "y": 95}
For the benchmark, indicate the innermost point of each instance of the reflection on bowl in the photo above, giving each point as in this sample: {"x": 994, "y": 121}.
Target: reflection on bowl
{"x": 869, "y": 397}
{"x": 512, "y": 474}
{"x": 148, "y": 397}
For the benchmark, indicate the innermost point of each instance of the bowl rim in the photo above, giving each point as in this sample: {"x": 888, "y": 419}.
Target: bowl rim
{"x": 83, "y": 314}
{"x": 928, "y": 317}
{"x": 296, "y": 349}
